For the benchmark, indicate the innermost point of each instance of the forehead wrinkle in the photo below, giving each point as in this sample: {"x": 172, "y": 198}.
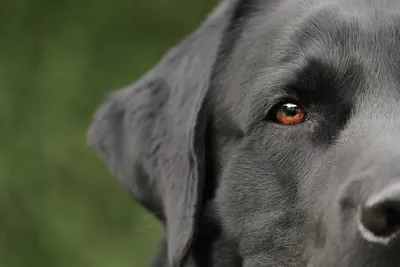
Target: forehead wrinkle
{"x": 368, "y": 40}
{"x": 322, "y": 26}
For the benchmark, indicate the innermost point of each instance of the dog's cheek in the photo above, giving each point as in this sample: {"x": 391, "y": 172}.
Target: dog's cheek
{"x": 259, "y": 197}
{"x": 253, "y": 200}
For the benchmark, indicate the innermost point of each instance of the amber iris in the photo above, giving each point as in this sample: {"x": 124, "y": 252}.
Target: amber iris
{"x": 290, "y": 114}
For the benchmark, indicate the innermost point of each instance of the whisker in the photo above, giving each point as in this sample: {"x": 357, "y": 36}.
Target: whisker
{"x": 145, "y": 227}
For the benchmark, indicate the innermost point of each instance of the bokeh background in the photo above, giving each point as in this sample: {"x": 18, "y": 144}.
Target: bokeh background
{"x": 59, "y": 206}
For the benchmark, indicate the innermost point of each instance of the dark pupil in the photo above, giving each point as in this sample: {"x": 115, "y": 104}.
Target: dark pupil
{"x": 290, "y": 110}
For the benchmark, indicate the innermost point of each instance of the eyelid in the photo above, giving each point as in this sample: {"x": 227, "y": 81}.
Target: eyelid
{"x": 287, "y": 98}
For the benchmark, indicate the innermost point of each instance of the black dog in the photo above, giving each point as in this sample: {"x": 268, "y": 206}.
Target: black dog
{"x": 268, "y": 137}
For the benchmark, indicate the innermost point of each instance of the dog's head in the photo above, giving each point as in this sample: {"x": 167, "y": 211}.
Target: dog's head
{"x": 268, "y": 136}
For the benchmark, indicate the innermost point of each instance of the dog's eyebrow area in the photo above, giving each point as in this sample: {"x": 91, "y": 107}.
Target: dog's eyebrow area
{"x": 309, "y": 81}
{"x": 327, "y": 81}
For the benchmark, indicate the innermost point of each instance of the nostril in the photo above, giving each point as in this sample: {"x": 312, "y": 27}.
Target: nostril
{"x": 380, "y": 215}
{"x": 382, "y": 219}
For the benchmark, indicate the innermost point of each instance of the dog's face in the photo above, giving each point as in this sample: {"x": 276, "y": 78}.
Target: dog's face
{"x": 269, "y": 137}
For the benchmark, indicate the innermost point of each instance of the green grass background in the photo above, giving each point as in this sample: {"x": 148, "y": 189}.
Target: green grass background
{"x": 59, "y": 206}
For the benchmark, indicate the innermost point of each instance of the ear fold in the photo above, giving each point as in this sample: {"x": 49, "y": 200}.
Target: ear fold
{"x": 152, "y": 134}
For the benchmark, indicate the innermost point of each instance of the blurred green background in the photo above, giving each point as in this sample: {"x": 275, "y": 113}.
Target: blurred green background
{"x": 59, "y": 206}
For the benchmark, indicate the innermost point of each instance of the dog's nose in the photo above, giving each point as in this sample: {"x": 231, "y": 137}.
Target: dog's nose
{"x": 380, "y": 215}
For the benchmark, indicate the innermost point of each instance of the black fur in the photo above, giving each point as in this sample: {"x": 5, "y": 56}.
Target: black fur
{"x": 196, "y": 137}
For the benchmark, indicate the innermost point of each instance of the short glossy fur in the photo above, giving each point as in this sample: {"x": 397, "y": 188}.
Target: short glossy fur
{"x": 194, "y": 137}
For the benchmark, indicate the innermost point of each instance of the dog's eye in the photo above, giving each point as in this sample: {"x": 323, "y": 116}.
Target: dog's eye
{"x": 289, "y": 113}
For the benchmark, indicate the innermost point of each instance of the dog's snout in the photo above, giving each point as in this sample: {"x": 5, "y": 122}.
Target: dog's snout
{"x": 380, "y": 215}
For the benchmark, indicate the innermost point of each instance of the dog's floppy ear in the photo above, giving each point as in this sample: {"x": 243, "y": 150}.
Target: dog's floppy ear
{"x": 151, "y": 134}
